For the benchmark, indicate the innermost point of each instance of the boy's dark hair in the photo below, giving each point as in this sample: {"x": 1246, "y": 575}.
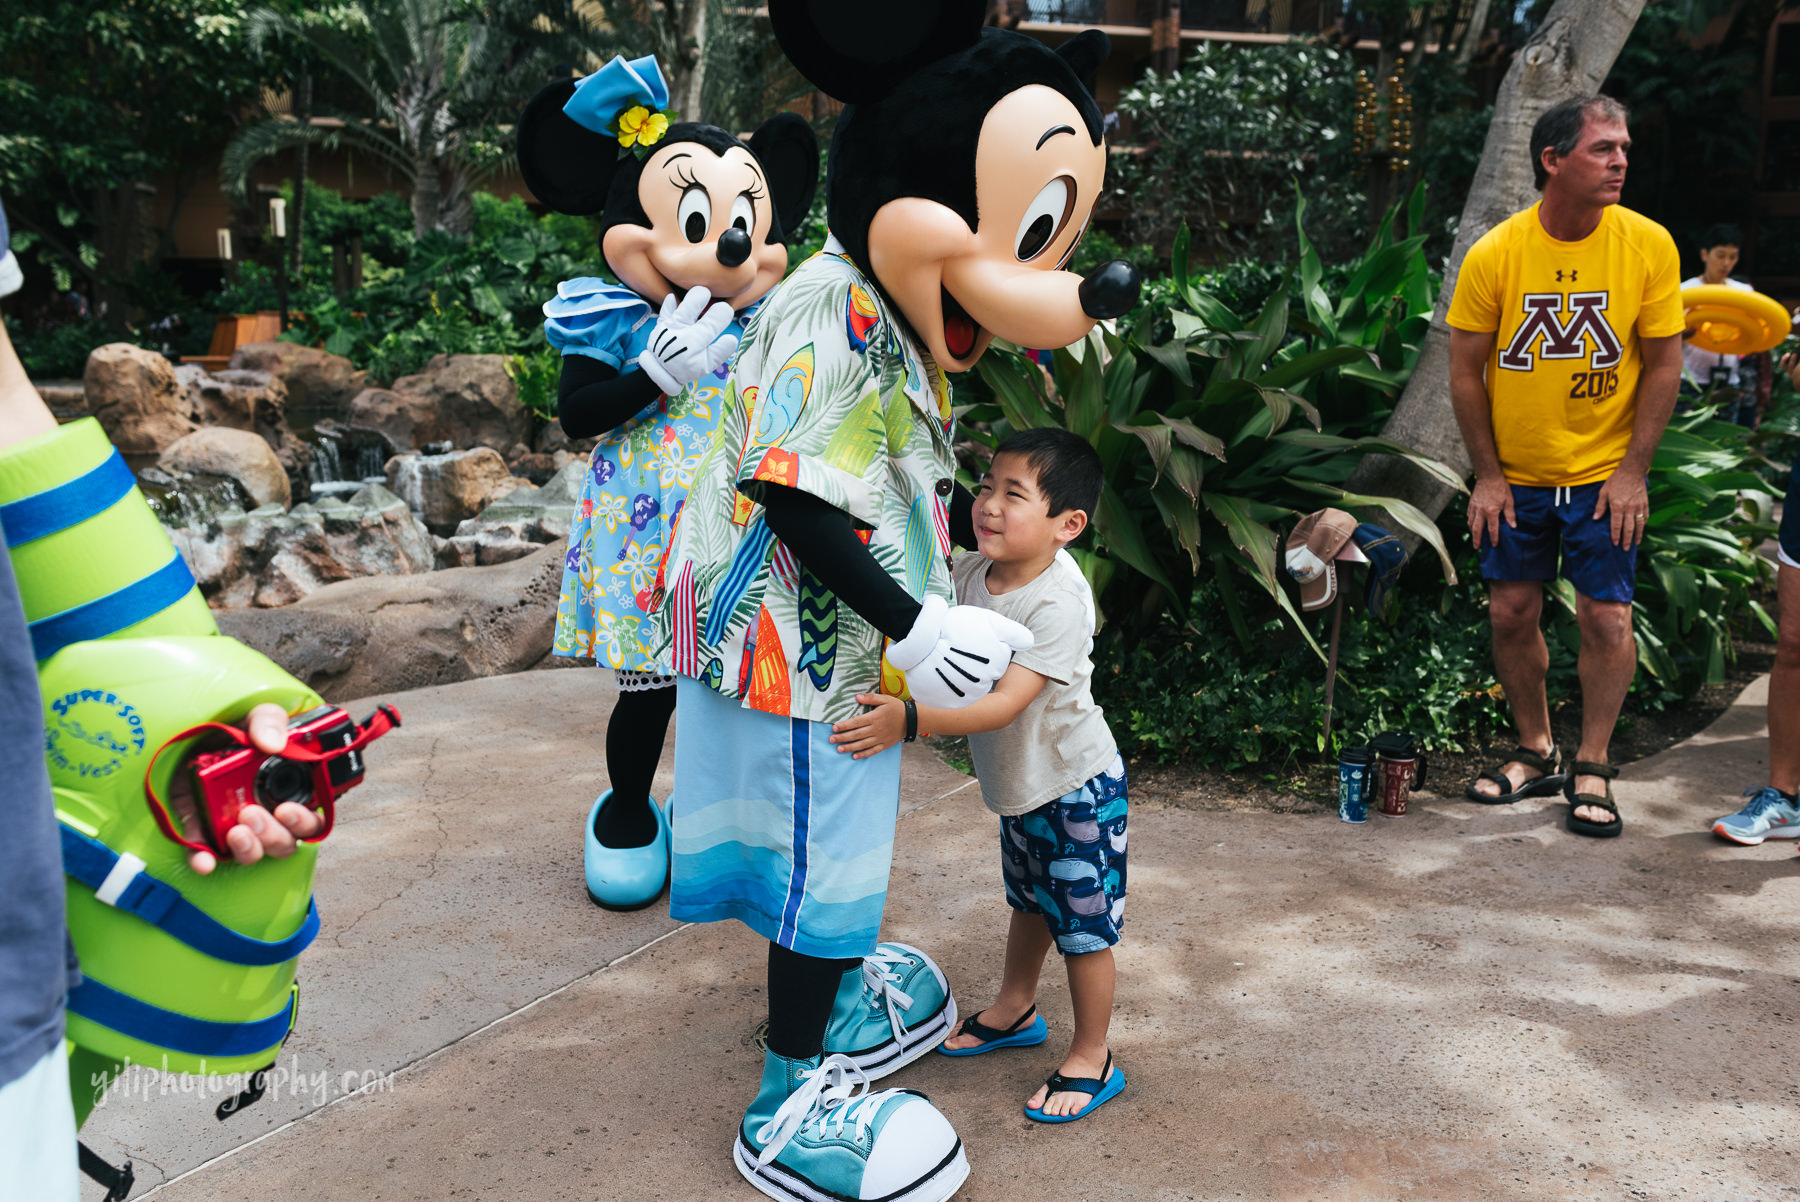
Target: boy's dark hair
{"x": 1722, "y": 234}
{"x": 1068, "y": 469}
{"x": 1560, "y": 127}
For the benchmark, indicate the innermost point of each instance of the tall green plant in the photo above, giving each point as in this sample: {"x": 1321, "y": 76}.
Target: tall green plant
{"x": 1214, "y": 431}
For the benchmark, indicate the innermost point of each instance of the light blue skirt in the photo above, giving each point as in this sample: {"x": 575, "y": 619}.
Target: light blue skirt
{"x": 775, "y": 828}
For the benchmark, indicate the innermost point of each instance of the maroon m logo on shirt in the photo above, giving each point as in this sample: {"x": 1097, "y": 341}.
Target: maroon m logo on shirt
{"x": 1563, "y": 340}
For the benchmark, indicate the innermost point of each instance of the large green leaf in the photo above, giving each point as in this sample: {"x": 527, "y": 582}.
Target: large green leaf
{"x": 1332, "y": 442}
{"x": 1118, "y": 530}
{"x": 1295, "y": 371}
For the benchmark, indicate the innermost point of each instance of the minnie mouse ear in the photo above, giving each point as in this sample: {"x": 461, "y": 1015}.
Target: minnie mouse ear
{"x": 859, "y": 52}
{"x": 789, "y": 154}
{"x": 567, "y": 166}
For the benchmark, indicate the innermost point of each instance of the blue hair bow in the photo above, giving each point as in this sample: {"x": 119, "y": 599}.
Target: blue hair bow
{"x": 615, "y": 88}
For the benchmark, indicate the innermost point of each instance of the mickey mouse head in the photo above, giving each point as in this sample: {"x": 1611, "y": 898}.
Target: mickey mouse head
{"x": 701, "y": 209}
{"x": 964, "y": 169}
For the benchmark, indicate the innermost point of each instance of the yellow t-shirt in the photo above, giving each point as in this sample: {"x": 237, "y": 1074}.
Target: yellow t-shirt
{"x": 1567, "y": 317}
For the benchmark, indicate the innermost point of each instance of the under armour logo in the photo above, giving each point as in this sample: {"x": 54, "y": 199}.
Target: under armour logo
{"x": 1572, "y": 275}
{"x": 1563, "y": 340}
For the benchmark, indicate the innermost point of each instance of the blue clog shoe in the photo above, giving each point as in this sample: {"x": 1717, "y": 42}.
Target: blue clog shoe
{"x": 626, "y": 878}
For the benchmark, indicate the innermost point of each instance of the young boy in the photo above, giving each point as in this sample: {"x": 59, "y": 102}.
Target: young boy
{"x": 1046, "y": 761}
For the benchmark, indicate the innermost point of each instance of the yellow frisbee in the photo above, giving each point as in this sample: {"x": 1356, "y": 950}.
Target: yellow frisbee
{"x": 1732, "y": 321}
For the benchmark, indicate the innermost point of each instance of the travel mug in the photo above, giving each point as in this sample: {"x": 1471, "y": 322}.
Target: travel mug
{"x": 1354, "y": 767}
{"x": 1399, "y": 769}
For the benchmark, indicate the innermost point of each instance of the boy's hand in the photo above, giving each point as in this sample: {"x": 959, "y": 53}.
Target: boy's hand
{"x": 873, "y": 732}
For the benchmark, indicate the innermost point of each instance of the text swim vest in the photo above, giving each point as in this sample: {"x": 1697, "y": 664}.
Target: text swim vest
{"x": 193, "y": 971}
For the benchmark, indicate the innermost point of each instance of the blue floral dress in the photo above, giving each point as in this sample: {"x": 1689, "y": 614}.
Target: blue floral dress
{"x": 638, "y": 477}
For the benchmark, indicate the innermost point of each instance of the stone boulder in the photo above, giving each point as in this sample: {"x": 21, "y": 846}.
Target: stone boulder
{"x": 445, "y": 489}
{"x": 317, "y": 382}
{"x": 379, "y": 635}
{"x": 517, "y": 524}
{"x": 267, "y": 558}
{"x": 239, "y": 454}
{"x": 137, "y": 398}
{"x": 467, "y": 400}
{"x": 551, "y": 440}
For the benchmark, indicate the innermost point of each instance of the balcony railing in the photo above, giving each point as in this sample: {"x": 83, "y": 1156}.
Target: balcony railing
{"x": 1252, "y": 16}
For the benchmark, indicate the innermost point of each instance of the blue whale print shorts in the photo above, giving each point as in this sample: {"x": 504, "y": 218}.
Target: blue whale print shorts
{"x": 1065, "y": 860}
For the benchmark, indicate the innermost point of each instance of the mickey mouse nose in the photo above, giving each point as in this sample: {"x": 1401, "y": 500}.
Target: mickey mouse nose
{"x": 734, "y": 247}
{"x": 1110, "y": 290}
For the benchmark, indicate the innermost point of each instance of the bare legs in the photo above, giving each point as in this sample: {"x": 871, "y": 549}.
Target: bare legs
{"x": 1522, "y": 661}
{"x": 1091, "y": 978}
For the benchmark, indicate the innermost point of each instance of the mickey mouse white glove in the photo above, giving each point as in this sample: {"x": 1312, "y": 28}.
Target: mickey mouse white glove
{"x": 953, "y": 656}
{"x": 689, "y": 341}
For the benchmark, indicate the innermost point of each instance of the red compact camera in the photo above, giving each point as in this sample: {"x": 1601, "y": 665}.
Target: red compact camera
{"x": 323, "y": 758}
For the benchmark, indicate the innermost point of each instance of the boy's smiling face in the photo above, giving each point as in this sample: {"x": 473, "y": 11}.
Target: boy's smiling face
{"x": 1013, "y": 522}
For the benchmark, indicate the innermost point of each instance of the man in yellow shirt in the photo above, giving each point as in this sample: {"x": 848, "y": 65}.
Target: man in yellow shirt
{"x": 1565, "y": 356}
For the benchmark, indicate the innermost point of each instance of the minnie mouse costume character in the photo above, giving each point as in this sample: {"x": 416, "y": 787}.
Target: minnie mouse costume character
{"x": 693, "y": 226}
{"x": 812, "y": 556}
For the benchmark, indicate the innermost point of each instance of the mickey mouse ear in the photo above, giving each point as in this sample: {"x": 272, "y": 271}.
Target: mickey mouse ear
{"x": 859, "y": 52}
{"x": 568, "y": 167}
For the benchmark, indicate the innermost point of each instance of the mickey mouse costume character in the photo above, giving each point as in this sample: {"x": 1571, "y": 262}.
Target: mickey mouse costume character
{"x": 812, "y": 556}
{"x": 693, "y": 227}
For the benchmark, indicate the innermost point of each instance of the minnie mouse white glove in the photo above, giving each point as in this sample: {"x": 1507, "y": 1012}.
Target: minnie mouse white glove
{"x": 953, "y": 656}
{"x": 689, "y": 341}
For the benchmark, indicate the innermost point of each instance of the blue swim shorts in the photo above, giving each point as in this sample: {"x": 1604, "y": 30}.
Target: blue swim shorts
{"x": 1560, "y": 521}
{"x": 1065, "y": 860}
{"x": 1790, "y": 519}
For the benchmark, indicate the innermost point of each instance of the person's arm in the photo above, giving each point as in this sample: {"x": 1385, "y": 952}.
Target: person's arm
{"x": 1491, "y": 501}
{"x": 883, "y": 725}
{"x": 1625, "y": 496}
{"x": 962, "y": 517}
{"x": 593, "y": 397}
{"x": 23, "y": 413}
{"x": 822, "y": 539}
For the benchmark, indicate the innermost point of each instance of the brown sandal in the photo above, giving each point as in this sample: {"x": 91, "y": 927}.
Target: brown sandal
{"x": 1586, "y": 826}
{"x": 1549, "y": 780}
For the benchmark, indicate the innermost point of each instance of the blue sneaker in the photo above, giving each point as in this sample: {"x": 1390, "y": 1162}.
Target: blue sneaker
{"x": 11, "y": 278}
{"x": 890, "y": 1010}
{"x": 816, "y": 1133}
{"x": 1768, "y": 816}
{"x": 625, "y": 878}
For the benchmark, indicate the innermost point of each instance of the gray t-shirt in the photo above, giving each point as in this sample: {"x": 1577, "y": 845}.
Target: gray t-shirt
{"x": 1061, "y": 740}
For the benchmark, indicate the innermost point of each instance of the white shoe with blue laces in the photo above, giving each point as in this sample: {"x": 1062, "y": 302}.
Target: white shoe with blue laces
{"x": 817, "y": 1133}
{"x": 891, "y": 1010}
{"x": 1770, "y": 815}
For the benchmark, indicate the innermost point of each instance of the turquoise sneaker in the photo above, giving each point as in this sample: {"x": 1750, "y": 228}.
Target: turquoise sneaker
{"x": 891, "y": 1010}
{"x": 1768, "y": 816}
{"x": 817, "y": 1134}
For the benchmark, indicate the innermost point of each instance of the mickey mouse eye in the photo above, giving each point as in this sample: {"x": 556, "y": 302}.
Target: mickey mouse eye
{"x": 1045, "y": 218}
{"x": 694, "y": 214}
{"x": 743, "y": 214}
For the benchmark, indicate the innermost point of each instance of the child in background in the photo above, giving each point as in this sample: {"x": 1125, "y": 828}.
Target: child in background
{"x": 1046, "y": 760}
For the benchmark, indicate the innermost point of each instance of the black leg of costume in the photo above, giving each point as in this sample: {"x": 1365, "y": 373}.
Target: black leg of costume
{"x": 801, "y": 992}
{"x": 634, "y": 743}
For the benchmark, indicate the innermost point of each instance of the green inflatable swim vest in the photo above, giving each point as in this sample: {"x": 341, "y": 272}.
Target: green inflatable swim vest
{"x": 180, "y": 971}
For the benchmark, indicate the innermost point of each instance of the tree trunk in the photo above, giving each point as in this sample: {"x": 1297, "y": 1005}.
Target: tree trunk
{"x": 693, "y": 52}
{"x": 1569, "y": 55}
{"x": 297, "y": 234}
{"x": 426, "y": 197}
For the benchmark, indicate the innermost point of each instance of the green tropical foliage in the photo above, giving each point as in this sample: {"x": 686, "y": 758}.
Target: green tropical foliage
{"x": 1216, "y": 430}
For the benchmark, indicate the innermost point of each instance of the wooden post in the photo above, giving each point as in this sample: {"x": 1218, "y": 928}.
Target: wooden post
{"x": 1337, "y": 622}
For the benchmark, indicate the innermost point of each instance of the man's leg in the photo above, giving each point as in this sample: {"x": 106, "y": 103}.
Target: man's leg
{"x": 1608, "y": 662}
{"x": 1784, "y": 687}
{"x": 1521, "y": 662}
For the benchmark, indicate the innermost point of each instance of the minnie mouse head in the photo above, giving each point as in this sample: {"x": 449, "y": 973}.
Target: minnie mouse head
{"x": 964, "y": 168}
{"x": 683, "y": 205}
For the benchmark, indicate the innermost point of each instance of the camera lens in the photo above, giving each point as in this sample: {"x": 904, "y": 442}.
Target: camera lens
{"x": 280, "y": 780}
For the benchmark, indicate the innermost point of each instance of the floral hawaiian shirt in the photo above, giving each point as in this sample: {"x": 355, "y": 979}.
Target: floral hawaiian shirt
{"x": 830, "y": 394}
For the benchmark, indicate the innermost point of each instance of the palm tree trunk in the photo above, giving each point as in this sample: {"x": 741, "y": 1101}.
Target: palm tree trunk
{"x": 302, "y": 114}
{"x": 1569, "y": 55}
{"x": 427, "y": 196}
{"x": 693, "y": 49}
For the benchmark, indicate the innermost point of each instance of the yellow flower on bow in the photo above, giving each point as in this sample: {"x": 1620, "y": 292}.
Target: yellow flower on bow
{"x": 638, "y": 126}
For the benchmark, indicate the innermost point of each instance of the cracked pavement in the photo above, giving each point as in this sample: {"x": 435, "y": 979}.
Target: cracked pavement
{"x": 1467, "y": 1002}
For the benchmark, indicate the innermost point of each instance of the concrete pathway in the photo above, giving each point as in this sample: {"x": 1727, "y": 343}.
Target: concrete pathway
{"x": 1463, "y": 1003}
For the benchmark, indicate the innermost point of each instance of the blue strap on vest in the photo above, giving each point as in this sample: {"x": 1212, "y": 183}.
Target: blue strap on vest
{"x": 177, "y": 1032}
{"x": 162, "y": 906}
{"x": 114, "y": 612}
{"x": 69, "y": 503}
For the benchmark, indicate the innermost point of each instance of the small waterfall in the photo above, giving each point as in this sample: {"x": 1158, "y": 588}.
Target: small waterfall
{"x": 184, "y": 502}
{"x": 344, "y": 459}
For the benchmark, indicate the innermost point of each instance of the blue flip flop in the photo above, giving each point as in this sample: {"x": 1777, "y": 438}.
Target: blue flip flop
{"x": 1015, "y": 1036}
{"x": 1104, "y": 1089}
